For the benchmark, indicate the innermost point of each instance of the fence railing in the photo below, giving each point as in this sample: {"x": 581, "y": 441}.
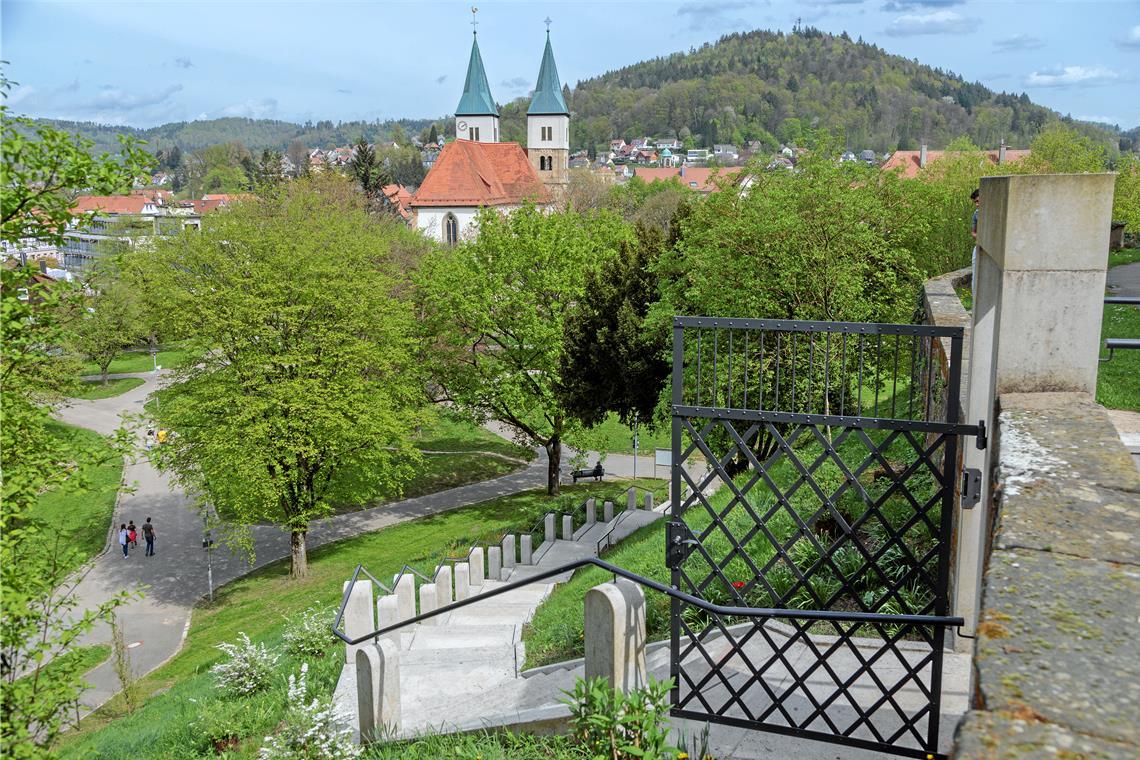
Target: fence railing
{"x": 1114, "y": 344}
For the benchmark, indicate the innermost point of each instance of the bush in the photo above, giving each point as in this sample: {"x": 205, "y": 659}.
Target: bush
{"x": 609, "y": 723}
{"x": 247, "y": 669}
{"x": 309, "y": 633}
{"x": 222, "y": 724}
{"x": 313, "y": 729}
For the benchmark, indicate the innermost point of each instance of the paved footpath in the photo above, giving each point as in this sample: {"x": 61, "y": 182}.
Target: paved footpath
{"x": 175, "y": 578}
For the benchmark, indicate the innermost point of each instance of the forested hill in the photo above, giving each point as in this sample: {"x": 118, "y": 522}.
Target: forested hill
{"x": 771, "y": 87}
{"x": 255, "y": 134}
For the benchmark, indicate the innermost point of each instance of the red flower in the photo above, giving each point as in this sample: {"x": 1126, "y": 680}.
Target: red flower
{"x": 738, "y": 584}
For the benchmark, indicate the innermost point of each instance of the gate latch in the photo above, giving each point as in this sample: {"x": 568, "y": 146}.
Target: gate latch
{"x": 980, "y": 441}
{"x": 971, "y": 487}
{"x": 680, "y": 543}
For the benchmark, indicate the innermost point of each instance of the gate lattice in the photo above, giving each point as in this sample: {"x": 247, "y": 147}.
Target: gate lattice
{"x": 831, "y": 450}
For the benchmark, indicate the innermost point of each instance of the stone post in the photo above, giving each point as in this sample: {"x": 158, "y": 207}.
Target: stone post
{"x": 649, "y": 501}
{"x": 443, "y": 585}
{"x": 494, "y": 563}
{"x": 509, "y": 555}
{"x": 406, "y": 597}
{"x": 591, "y": 511}
{"x": 1038, "y": 304}
{"x": 567, "y": 528}
{"x": 549, "y": 534}
{"x": 388, "y": 613}
{"x": 615, "y": 634}
{"x": 608, "y": 510}
{"x": 462, "y": 580}
{"x": 477, "y": 567}
{"x": 377, "y": 690}
{"x": 358, "y": 618}
{"x": 428, "y": 602}
{"x": 526, "y": 550}
{"x": 631, "y": 499}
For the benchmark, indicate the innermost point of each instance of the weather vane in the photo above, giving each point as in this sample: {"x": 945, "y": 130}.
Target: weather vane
{"x": 547, "y": 22}
{"x": 474, "y": 10}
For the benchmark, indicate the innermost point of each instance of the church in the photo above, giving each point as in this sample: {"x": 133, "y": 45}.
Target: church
{"x": 476, "y": 170}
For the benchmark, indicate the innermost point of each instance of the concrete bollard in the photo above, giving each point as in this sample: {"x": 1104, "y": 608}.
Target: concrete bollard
{"x": 615, "y": 634}
{"x": 591, "y": 511}
{"x": 388, "y": 613}
{"x": 377, "y": 691}
{"x": 567, "y": 528}
{"x": 649, "y": 501}
{"x": 428, "y": 602}
{"x": 608, "y": 510}
{"x": 477, "y": 567}
{"x": 631, "y": 499}
{"x": 510, "y": 558}
{"x": 494, "y": 563}
{"x": 549, "y": 534}
{"x": 358, "y": 618}
{"x": 462, "y": 580}
{"x": 406, "y": 597}
{"x": 526, "y": 549}
{"x": 443, "y": 593}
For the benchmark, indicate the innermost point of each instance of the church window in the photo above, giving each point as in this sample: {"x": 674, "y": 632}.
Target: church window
{"x": 548, "y": 133}
{"x": 475, "y": 134}
{"x": 451, "y": 229}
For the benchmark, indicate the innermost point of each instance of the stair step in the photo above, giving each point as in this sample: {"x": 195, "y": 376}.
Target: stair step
{"x": 492, "y": 614}
{"x": 464, "y": 636}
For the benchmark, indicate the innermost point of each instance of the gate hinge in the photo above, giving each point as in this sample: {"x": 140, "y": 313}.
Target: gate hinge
{"x": 980, "y": 441}
{"x": 680, "y": 543}
{"x": 971, "y": 487}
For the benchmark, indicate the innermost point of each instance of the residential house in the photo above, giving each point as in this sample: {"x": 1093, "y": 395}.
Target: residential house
{"x": 726, "y": 154}
{"x": 701, "y": 179}
{"x": 908, "y": 163}
{"x": 697, "y": 156}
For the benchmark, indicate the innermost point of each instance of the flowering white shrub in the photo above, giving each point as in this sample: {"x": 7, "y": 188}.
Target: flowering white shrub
{"x": 248, "y": 667}
{"x": 309, "y": 633}
{"x": 313, "y": 729}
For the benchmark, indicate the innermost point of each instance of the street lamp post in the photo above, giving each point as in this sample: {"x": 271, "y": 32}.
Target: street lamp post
{"x": 635, "y": 452}
{"x": 207, "y": 544}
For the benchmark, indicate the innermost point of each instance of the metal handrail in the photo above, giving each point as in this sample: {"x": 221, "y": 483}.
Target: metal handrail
{"x": 715, "y": 609}
{"x": 1129, "y": 300}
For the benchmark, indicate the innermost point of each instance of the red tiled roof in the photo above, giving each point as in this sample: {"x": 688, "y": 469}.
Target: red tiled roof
{"x": 480, "y": 174}
{"x": 227, "y": 197}
{"x": 399, "y": 197}
{"x": 908, "y": 160}
{"x": 701, "y": 175}
{"x": 110, "y": 204}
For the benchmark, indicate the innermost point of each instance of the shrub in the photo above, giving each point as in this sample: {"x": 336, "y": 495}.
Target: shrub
{"x": 313, "y": 729}
{"x": 220, "y": 725}
{"x": 609, "y": 723}
{"x": 309, "y": 634}
{"x": 247, "y": 669}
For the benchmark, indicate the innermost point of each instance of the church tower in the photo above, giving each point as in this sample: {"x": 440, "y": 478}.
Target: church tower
{"x": 477, "y": 116}
{"x": 548, "y": 126}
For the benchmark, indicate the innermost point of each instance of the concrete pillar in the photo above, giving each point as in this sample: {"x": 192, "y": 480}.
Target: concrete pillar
{"x": 608, "y": 511}
{"x": 510, "y": 558}
{"x": 494, "y": 563}
{"x": 428, "y": 602}
{"x": 615, "y": 634}
{"x": 567, "y": 528}
{"x": 358, "y": 618}
{"x": 526, "y": 550}
{"x": 549, "y": 535}
{"x": 377, "y": 691}
{"x": 476, "y": 560}
{"x": 1038, "y": 304}
{"x": 631, "y": 499}
{"x": 406, "y": 597}
{"x": 591, "y": 511}
{"x": 443, "y": 585}
{"x": 388, "y": 613}
{"x": 462, "y": 580}
{"x": 649, "y": 501}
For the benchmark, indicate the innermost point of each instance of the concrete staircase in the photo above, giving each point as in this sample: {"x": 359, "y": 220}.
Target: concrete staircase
{"x": 463, "y": 668}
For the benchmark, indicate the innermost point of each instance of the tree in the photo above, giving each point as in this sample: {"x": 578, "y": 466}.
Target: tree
{"x": 300, "y": 391}
{"x": 1126, "y": 199}
{"x": 111, "y": 321}
{"x": 494, "y": 317}
{"x": 299, "y": 156}
{"x": 369, "y": 174}
{"x": 433, "y": 135}
{"x": 42, "y": 167}
{"x": 399, "y": 136}
{"x": 1063, "y": 150}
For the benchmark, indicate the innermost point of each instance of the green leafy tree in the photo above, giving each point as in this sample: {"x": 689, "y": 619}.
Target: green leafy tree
{"x": 368, "y": 172}
{"x": 111, "y": 321}
{"x": 1126, "y": 200}
{"x": 495, "y": 316}
{"x": 300, "y": 391}
{"x": 433, "y": 135}
{"x": 1061, "y": 149}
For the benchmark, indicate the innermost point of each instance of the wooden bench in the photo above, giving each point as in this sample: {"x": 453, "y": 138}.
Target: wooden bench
{"x": 595, "y": 473}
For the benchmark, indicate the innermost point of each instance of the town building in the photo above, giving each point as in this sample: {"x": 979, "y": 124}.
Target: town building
{"x": 910, "y": 162}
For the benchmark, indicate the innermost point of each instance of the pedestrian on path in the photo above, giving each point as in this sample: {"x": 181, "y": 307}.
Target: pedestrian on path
{"x": 133, "y": 534}
{"x": 150, "y": 439}
{"x": 149, "y": 534}
{"x": 124, "y": 538}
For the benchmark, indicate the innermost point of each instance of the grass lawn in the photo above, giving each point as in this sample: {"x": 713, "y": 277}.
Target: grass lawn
{"x": 1118, "y": 381}
{"x": 138, "y": 360}
{"x": 258, "y": 605}
{"x": 614, "y": 437}
{"x": 83, "y": 658}
{"x": 82, "y": 517}
{"x": 485, "y": 746}
{"x": 93, "y": 389}
{"x": 1123, "y": 256}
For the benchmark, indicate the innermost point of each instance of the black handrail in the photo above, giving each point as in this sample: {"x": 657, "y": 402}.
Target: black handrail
{"x": 1129, "y": 300}
{"x": 716, "y": 609}
{"x": 1112, "y": 344}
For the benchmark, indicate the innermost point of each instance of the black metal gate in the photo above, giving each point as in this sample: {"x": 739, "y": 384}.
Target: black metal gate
{"x": 830, "y": 450}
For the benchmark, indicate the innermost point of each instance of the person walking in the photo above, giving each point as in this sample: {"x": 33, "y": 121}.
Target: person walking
{"x": 133, "y": 534}
{"x": 124, "y": 538}
{"x": 148, "y": 535}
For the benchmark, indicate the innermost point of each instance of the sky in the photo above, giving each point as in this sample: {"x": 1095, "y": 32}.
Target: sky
{"x": 144, "y": 63}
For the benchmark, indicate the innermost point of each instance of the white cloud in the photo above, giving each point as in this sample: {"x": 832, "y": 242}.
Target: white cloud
{"x": 936, "y": 22}
{"x": 1069, "y": 76}
{"x": 1112, "y": 120}
{"x": 118, "y": 99}
{"x": 23, "y": 92}
{"x": 1131, "y": 40}
{"x": 1017, "y": 42}
{"x": 722, "y": 14}
{"x": 906, "y": 5}
{"x": 254, "y": 108}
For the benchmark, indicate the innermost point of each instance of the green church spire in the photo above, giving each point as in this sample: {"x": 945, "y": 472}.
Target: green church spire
{"x": 547, "y": 97}
{"x": 476, "y": 100}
